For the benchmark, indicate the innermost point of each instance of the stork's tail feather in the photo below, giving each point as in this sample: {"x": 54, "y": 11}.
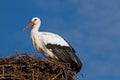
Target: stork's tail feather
{"x": 76, "y": 66}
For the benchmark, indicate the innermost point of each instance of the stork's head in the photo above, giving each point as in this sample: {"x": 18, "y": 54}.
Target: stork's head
{"x": 34, "y": 23}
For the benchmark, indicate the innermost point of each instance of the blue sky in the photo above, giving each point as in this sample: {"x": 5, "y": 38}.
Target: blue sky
{"x": 91, "y": 26}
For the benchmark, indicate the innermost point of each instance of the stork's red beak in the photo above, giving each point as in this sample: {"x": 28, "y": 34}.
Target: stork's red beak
{"x": 29, "y": 25}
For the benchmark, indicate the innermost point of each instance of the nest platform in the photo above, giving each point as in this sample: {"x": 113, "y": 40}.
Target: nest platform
{"x": 26, "y": 67}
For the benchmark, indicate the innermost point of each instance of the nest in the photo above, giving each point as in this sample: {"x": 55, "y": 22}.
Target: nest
{"x": 26, "y": 67}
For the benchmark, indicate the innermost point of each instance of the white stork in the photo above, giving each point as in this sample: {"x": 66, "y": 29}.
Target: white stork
{"x": 53, "y": 46}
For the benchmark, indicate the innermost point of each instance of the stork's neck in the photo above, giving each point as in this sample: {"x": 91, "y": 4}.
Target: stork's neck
{"x": 36, "y": 27}
{"x": 35, "y": 30}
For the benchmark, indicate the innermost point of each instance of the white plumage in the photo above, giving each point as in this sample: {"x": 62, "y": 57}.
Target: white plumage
{"x": 53, "y": 38}
{"x": 53, "y": 46}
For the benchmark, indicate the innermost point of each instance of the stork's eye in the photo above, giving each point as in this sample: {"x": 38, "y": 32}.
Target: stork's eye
{"x": 35, "y": 19}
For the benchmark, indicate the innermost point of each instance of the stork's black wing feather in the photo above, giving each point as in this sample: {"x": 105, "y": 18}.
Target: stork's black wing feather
{"x": 66, "y": 54}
